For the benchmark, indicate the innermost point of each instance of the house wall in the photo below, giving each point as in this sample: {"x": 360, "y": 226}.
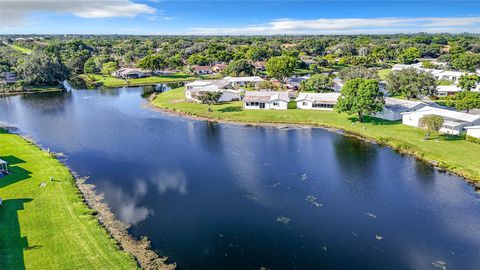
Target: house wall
{"x": 307, "y": 105}
{"x": 414, "y": 121}
{"x": 389, "y": 115}
{"x": 474, "y": 132}
{"x": 282, "y": 105}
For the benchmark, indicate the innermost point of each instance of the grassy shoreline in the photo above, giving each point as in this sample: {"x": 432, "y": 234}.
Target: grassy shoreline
{"x": 109, "y": 81}
{"x": 448, "y": 152}
{"x": 48, "y": 226}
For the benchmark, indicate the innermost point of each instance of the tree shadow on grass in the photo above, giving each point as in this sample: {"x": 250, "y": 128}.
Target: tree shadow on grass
{"x": 449, "y": 138}
{"x": 16, "y": 173}
{"x": 12, "y": 242}
{"x": 374, "y": 121}
{"x": 231, "y": 109}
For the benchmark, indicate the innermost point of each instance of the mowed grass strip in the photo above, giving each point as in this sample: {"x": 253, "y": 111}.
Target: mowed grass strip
{"x": 451, "y": 152}
{"x": 48, "y": 227}
{"x": 109, "y": 81}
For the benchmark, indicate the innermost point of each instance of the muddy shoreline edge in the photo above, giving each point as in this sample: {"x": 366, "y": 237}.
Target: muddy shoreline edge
{"x": 140, "y": 249}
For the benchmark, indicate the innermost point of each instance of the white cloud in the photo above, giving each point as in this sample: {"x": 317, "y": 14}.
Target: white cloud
{"x": 17, "y": 12}
{"x": 350, "y": 26}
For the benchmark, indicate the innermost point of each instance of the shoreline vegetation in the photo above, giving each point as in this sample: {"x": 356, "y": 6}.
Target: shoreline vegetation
{"x": 60, "y": 222}
{"x": 446, "y": 152}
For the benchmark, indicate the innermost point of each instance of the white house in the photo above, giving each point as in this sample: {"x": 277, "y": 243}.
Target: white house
{"x": 243, "y": 81}
{"x": 196, "y": 88}
{"x": 131, "y": 73}
{"x": 473, "y": 131}
{"x": 447, "y": 90}
{"x": 317, "y": 101}
{"x": 266, "y": 100}
{"x": 454, "y": 122}
{"x": 394, "y": 108}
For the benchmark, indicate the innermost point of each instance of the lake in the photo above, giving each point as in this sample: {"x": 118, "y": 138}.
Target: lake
{"x": 220, "y": 196}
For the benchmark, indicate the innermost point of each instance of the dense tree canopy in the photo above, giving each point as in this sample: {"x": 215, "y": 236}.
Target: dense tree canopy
{"x": 41, "y": 69}
{"x": 281, "y": 67}
{"x": 411, "y": 83}
{"x": 361, "y": 97}
{"x": 358, "y": 72}
{"x": 317, "y": 83}
{"x": 468, "y": 82}
{"x": 465, "y": 100}
{"x": 240, "y": 67}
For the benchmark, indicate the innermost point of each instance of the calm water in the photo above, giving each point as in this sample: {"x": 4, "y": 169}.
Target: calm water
{"x": 214, "y": 196}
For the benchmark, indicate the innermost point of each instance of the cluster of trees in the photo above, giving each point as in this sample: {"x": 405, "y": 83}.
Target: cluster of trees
{"x": 99, "y": 54}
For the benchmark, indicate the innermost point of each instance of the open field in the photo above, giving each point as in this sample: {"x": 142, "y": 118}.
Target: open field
{"x": 48, "y": 227}
{"x": 450, "y": 152}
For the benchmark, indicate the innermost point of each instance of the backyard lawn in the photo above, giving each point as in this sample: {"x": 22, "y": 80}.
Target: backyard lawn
{"x": 48, "y": 226}
{"x": 450, "y": 152}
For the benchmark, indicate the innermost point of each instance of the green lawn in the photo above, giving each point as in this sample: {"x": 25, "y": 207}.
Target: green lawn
{"x": 21, "y": 49}
{"x": 450, "y": 152}
{"x": 109, "y": 81}
{"x": 48, "y": 227}
{"x": 383, "y": 73}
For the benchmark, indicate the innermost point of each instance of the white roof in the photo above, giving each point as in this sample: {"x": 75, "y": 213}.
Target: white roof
{"x": 401, "y": 105}
{"x": 126, "y": 71}
{"x": 316, "y": 97}
{"x": 448, "y": 88}
{"x": 454, "y": 115}
{"x": 451, "y": 73}
{"x": 198, "y": 83}
{"x": 2, "y": 161}
{"x": 473, "y": 127}
{"x": 243, "y": 79}
{"x": 266, "y": 96}
{"x": 211, "y": 84}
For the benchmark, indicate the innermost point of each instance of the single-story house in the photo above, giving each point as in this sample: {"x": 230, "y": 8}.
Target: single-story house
{"x": 454, "y": 122}
{"x": 131, "y": 73}
{"x": 243, "y": 81}
{"x": 317, "y": 101}
{"x": 217, "y": 68}
{"x": 3, "y": 167}
{"x": 196, "y": 88}
{"x": 449, "y": 75}
{"x": 266, "y": 100}
{"x": 473, "y": 131}
{"x": 447, "y": 90}
{"x": 260, "y": 65}
{"x": 201, "y": 70}
{"x": 394, "y": 108}
{"x": 294, "y": 82}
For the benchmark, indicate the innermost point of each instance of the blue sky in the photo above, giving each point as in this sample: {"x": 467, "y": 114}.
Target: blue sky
{"x": 237, "y": 17}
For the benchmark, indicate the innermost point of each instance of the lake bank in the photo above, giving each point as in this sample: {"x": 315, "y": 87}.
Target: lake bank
{"x": 447, "y": 152}
{"x": 48, "y": 222}
{"x": 112, "y": 82}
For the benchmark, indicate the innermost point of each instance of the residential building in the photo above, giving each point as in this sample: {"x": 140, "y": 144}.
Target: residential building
{"x": 447, "y": 90}
{"x": 244, "y": 81}
{"x": 201, "y": 70}
{"x": 218, "y": 68}
{"x": 454, "y": 122}
{"x": 294, "y": 82}
{"x": 260, "y": 65}
{"x": 196, "y": 88}
{"x": 266, "y": 100}
{"x": 317, "y": 101}
{"x": 473, "y": 131}
{"x": 131, "y": 73}
{"x": 394, "y": 108}
{"x": 8, "y": 78}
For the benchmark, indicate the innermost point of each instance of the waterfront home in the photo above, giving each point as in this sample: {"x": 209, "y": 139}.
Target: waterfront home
{"x": 394, "y": 108}
{"x": 473, "y": 131}
{"x": 244, "y": 81}
{"x": 260, "y": 65}
{"x": 454, "y": 122}
{"x": 3, "y": 167}
{"x": 266, "y": 100}
{"x": 201, "y": 70}
{"x": 194, "y": 89}
{"x": 131, "y": 73}
{"x": 8, "y": 78}
{"x": 317, "y": 101}
{"x": 218, "y": 68}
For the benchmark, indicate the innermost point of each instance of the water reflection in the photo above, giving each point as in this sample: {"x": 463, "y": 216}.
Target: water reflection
{"x": 210, "y": 195}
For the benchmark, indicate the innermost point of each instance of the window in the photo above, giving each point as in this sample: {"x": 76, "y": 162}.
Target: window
{"x": 304, "y": 103}
{"x": 275, "y": 103}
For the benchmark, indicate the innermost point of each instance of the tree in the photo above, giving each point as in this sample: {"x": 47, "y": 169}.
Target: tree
{"x": 39, "y": 68}
{"x": 317, "y": 83}
{"x": 90, "y": 67}
{"x": 411, "y": 83}
{"x": 358, "y": 72}
{"x": 465, "y": 100}
{"x": 466, "y": 61}
{"x": 409, "y": 55}
{"x": 239, "y": 68}
{"x": 209, "y": 98}
{"x": 432, "y": 123}
{"x": 267, "y": 85}
{"x": 281, "y": 67}
{"x": 153, "y": 62}
{"x": 360, "y": 96}
{"x": 468, "y": 82}
{"x": 109, "y": 67}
